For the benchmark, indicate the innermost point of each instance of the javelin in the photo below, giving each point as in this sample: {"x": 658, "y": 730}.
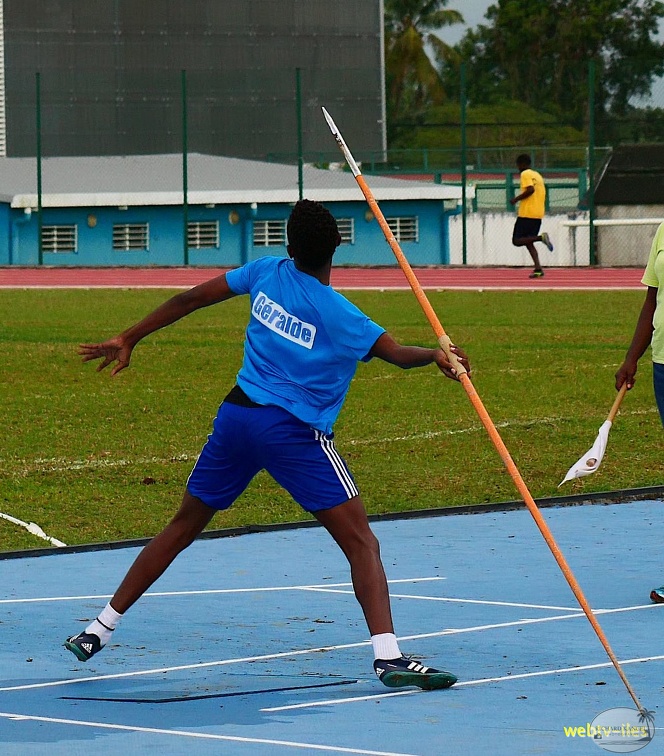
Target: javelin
{"x": 445, "y": 344}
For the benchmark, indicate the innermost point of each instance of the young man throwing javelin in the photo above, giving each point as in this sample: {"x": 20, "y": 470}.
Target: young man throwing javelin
{"x": 302, "y": 345}
{"x": 530, "y": 213}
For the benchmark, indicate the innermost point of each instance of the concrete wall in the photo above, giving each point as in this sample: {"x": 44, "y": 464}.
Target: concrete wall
{"x": 489, "y": 241}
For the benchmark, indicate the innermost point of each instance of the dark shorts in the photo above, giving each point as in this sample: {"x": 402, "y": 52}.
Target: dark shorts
{"x": 247, "y": 438}
{"x": 525, "y": 228}
{"x": 658, "y": 384}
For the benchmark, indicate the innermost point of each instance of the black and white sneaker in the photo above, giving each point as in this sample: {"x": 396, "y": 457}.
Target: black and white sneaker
{"x": 84, "y": 645}
{"x": 657, "y": 595}
{"x": 396, "y": 673}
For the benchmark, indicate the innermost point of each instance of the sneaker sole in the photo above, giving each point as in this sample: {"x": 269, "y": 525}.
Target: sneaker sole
{"x": 433, "y": 681}
{"x": 80, "y": 655}
{"x": 656, "y": 597}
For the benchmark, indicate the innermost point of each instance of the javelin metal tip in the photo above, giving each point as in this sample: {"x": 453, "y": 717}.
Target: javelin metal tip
{"x": 330, "y": 122}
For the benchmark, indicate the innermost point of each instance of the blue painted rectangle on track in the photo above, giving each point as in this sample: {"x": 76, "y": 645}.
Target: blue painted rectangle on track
{"x": 256, "y": 645}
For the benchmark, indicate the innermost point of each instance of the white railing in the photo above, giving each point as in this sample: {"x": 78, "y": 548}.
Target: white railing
{"x": 615, "y": 222}
{"x": 619, "y": 241}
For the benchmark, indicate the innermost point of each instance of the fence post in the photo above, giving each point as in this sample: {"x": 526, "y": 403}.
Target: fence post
{"x": 591, "y": 161}
{"x": 300, "y": 158}
{"x": 464, "y": 162}
{"x": 509, "y": 191}
{"x": 185, "y": 170}
{"x": 40, "y": 222}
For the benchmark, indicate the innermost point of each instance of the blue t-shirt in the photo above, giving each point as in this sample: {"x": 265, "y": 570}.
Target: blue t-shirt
{"x": 303, "y": 341}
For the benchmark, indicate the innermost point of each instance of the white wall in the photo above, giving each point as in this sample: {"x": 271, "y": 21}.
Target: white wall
{"x": 489, "y": 241}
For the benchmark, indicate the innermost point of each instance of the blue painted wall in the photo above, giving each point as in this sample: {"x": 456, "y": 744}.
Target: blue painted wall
{"x": 18, "y": 235}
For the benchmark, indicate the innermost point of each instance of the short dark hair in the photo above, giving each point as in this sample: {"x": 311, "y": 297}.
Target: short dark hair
{"x": 523, "y": 159}
{"x": 313, "y": 234}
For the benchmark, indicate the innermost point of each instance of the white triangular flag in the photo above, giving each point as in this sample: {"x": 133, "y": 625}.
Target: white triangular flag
{"x": 592, "y": 458}
{"x": 590, "y": 461}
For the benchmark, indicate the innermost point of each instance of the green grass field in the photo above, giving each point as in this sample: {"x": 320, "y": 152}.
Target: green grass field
{"x": 89, "y": 458}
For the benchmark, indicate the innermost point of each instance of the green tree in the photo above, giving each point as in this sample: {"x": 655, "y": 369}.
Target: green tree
{"x": 538, "y": 53}
{"x": 412, "y": 79}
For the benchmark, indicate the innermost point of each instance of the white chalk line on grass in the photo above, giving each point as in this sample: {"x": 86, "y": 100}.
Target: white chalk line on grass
{"x": 61, "y": 464}
{"x": 464, "y": 683}
{"x": 309, "y": 651}
{"x": 195, "y": 735}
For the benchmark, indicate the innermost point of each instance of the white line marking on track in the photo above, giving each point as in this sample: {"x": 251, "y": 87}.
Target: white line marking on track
{"x": 458, "y": 600}
{"x": 320, "y": 649}
{"x": 197, "y": 735}
{"x": 463, "y": 683}
{"x": 213, "y": 591}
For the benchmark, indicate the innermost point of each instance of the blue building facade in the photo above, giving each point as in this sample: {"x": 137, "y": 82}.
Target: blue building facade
{"x": 224, "y": 227}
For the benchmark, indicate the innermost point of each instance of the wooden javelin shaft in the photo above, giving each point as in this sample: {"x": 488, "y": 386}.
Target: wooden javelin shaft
{"x": 445, "y": 343}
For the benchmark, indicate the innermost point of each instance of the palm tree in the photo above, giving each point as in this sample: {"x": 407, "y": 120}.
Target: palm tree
{"x": 412, "y": 81}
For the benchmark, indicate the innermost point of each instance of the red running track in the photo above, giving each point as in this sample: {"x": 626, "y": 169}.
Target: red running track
{"x": 342, "y": 278}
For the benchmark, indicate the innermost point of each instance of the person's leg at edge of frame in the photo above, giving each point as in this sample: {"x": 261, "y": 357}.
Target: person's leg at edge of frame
{"x": 657, "y": 594}
{"x": 348, "y": 525}
{"x": 150, "y": 564}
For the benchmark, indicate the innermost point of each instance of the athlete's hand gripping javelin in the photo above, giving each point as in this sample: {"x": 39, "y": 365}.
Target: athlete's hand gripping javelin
{"x": 446, "y": 366}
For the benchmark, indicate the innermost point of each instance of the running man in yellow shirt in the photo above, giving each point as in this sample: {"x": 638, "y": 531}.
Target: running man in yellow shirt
{"x": 531, "y": 211}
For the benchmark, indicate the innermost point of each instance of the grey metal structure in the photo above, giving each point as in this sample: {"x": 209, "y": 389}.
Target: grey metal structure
{"x": 111, "y": 75}
{"x": 156, "y": 180}
{"x": 3, "y": 120}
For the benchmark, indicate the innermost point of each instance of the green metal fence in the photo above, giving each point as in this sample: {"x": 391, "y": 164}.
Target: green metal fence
{"x": 487, "y": 175}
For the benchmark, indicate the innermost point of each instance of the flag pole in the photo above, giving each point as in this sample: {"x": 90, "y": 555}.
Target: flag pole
{"x": 445, "y": 344}
{"x": 617, "y": 402}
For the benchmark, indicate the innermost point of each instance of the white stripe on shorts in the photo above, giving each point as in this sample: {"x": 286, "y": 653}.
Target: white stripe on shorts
{"x": 327, "y": 445}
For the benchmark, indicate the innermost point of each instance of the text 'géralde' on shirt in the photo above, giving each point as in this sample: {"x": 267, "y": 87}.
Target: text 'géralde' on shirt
{"x": 277, "y": 319}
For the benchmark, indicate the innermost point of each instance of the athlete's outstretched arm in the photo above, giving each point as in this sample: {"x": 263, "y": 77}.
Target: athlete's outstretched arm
{"x": 389, "y": 350}
{"x": 119, "y": 348}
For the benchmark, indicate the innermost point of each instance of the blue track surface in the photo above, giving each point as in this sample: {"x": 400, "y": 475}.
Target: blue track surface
{"x": 255, "y": 645}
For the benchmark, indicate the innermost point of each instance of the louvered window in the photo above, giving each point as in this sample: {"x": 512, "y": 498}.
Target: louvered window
{"x": 59, "y": 238}
{"x": 270, "y": 233}
{"x": 203, "y": 234}
{"x": 346, "y": 228}
{"x": 404, "y": 229}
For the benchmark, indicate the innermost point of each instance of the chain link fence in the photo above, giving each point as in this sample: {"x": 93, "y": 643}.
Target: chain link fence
{"x": 599, "y": 207}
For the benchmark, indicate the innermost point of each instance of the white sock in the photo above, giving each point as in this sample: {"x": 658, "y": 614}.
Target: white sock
{"x": 385, "y": 646}
{"x": 105, "y": 623}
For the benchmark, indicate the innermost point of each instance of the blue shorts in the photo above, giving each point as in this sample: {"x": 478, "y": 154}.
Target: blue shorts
{"x": 246, "y": 440}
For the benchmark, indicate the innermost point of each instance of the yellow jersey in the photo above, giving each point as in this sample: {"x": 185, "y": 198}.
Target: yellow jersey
{"x": 533, "y": 206}
{"x": 653, "y": 276}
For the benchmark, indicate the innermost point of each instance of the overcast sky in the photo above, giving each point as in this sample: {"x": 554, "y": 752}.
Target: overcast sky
{"x": 473, "y": 13}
